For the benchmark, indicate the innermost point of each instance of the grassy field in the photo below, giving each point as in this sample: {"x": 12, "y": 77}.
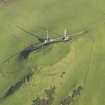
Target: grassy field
{"x": 82, "y": 60}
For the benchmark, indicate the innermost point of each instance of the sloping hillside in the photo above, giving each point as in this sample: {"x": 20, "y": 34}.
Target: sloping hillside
{"x": 62, "y": 74}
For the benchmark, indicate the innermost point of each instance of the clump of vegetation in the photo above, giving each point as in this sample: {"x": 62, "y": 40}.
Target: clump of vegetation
{"x": 76, "y": 92}
{"x": 69, "y": 99}
{"x": 45, "y": 101}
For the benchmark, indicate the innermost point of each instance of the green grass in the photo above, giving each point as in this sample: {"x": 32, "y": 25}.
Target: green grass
{"x": 82, "y": 60}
